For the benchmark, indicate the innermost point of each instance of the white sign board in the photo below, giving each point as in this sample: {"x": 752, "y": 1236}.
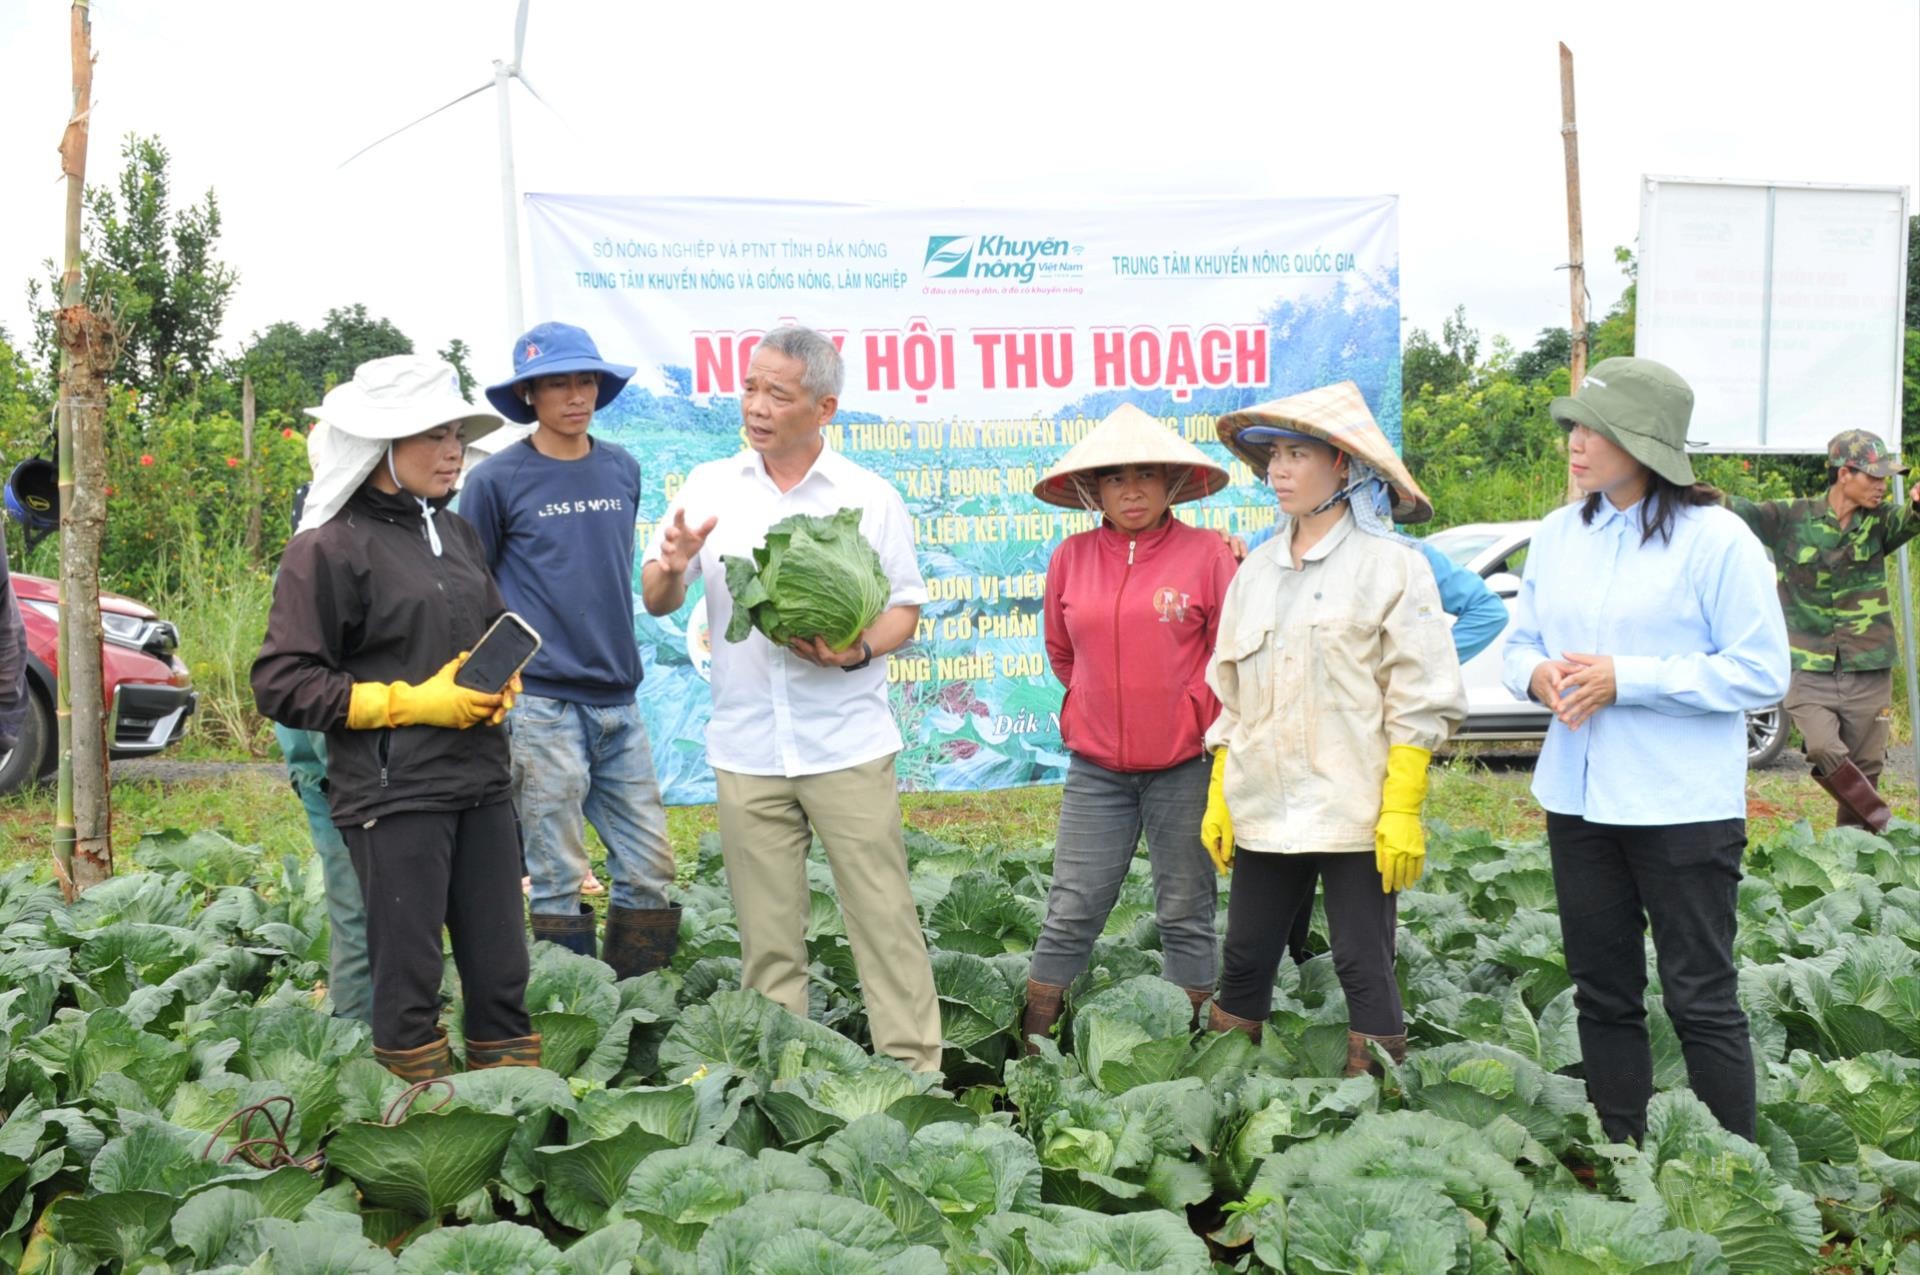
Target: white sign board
{"x": 1781, "y": 303}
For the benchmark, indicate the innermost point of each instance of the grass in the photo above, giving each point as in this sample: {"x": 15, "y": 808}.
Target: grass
{"x": 252, "y": 807}
{"x": 222, "y": 616}
{"x": 1466, "y": 793}
{"x": 255, "y": 806}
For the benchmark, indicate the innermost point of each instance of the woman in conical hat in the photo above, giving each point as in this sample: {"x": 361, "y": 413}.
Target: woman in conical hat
{"x": 1337, "y": 678}
{"x": 1132, "y": 610}
{"x": 1479, "y": 616}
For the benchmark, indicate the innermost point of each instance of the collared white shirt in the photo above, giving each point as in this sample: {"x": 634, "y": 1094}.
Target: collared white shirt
{"x": 773, "y": 712}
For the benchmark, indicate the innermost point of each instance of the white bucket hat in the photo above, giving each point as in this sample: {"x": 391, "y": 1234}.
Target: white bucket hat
{"x": 1128, "y": 436}
{"x": 387, "y": 400}
{"x": 400, "y": 396}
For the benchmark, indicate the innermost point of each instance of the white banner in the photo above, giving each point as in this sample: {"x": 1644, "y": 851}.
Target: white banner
{"x": 980, "y": 343}
{"x": 1782, "y": 304}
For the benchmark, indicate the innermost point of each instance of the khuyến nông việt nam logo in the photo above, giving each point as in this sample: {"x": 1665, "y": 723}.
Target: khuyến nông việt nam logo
{"x": 948, "y": 256}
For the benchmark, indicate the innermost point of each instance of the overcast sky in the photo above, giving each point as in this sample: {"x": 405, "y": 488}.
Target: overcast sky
{"x": 1455, "y": 108}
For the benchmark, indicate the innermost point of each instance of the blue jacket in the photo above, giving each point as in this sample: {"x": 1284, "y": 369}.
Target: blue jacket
{"x": 1477, "y": 611}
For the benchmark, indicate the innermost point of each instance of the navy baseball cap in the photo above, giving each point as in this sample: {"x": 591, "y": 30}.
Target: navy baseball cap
{"x": 549, "y": 350}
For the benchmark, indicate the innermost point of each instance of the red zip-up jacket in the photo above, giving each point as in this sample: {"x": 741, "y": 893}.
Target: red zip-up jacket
{"x": 1130, "y": 624}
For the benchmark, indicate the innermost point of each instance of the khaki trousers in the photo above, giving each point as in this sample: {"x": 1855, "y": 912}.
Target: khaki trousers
{"x": 767, "y": 824}
{"x": 1843, "y": 715}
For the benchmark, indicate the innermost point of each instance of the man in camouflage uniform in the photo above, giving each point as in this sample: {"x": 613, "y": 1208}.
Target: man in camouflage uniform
{"x": 1831, "y": 552}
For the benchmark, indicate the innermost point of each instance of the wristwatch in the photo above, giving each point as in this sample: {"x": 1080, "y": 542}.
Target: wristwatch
{"x": 866, "y": 658}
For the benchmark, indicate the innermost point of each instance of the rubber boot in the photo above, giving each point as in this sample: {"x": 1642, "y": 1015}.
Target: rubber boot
{"x": 1044, "y": 1002}
{"x": 520, "y": 1051}
{"x": 1219, "y": 1020}
{"x": 1360, "y": 1058}
{"x": 1198, "y": 997}
{"x": 641, "y": 940}
{"x": 1856, "y": 796}
{"x": 430, "y": 1061}
{"x": 575, "y": 933}
{"x": 1843, "y": 816}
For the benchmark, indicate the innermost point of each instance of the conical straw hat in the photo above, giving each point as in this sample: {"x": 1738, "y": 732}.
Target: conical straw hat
{"x": 1334, "y": 414}
{"x": 1128, "y": 436}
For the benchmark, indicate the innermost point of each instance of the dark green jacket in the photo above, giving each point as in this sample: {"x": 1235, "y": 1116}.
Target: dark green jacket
{"x": 1833, "y": 579}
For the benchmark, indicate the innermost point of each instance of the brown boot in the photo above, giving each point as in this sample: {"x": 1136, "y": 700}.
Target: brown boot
{"x": 1843, "y": 816}
{"x": 641, "y": 940}
{"x": 1219, "y": 1020}
{"x": 1360, "y": 1058}
{"x": 1198, "y": 997}
{"x": 1856, "y": 796}
{"x": 520, "y": 1051}
{"x": 1043, "y": 1011}
{"x": 430, "y": 1061}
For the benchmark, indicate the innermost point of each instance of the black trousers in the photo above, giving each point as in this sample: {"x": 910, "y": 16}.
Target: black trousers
{"x": 457, "y": 870}
{"x": 1611, "y": 880}
{"x": 1301, "y": 932}
{"x": 1267, "y": 893}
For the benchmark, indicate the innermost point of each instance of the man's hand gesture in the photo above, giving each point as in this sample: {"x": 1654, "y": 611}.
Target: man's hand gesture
{"x": 681, "y": 544}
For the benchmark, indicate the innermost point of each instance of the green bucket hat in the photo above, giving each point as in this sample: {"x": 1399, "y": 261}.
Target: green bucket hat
{"x": 1641, "y": 407}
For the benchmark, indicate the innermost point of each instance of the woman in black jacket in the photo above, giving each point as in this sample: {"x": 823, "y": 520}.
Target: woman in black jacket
{"x": 381, "y": 595}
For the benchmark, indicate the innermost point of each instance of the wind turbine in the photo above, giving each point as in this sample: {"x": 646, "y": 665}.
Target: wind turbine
{"x": 503, "y": 73}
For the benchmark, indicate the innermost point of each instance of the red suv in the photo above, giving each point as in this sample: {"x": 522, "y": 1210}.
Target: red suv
{"x": 150, "y": 693}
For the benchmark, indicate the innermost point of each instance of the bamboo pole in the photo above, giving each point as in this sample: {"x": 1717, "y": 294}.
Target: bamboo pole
{"x": 253, "y": 471}
{"x": 1576, "y": 252}
{"x": 82, "y": 849}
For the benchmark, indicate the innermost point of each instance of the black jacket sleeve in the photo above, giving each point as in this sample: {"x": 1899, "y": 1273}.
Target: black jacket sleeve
{"x": 298, "y": 678}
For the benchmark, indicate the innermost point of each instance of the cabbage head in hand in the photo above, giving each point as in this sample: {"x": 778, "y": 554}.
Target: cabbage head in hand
{"x": 814, "y": 577}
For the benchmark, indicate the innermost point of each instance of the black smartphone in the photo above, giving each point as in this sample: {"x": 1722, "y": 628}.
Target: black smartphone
{"x": 501, "y": 652}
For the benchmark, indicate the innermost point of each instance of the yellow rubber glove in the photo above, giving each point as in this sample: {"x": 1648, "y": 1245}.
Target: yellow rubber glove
{"x": 1216, "y": 826}
{"x": 1399, "y": 843}
{"x": 435, "y": 702}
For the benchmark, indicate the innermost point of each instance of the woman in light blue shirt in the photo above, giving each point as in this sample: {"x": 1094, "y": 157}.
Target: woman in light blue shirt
{"x": 1649, "y": 622}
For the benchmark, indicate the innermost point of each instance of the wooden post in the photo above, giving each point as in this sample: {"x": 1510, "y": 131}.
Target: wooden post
{"x": 1576, "y": 252}
{"x": 83, "y": 848}
{"x": 253, "y": 471}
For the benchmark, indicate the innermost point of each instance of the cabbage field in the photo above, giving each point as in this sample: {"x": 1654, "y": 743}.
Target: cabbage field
{"x": 175, "y": 1099}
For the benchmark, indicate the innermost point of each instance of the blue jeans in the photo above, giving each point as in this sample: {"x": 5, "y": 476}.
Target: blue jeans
{"x": 577, "y": 762}
{"x": 1102, "y": 813}
{"x": 350, "y": 977}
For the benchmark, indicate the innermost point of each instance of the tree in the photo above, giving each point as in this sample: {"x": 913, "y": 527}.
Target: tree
{"x": 156, "y": 268}
{"x": 1913, "y": 272}
{"x": 1553, "y": 349}
{"x": 293, "y": 367}
{"x": 1614, "y": 334}
{"x": 457, "y": 354}
{"x": 1439, "y": 365}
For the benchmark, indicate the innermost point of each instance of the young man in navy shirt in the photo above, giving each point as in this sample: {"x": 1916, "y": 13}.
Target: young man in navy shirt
{"x": 556, "y": 513}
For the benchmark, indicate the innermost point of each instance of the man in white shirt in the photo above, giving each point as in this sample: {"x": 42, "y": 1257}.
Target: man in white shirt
{"x": 801, "y": 738}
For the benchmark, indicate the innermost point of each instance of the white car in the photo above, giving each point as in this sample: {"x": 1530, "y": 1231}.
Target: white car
{"x": 1496, "y": 552}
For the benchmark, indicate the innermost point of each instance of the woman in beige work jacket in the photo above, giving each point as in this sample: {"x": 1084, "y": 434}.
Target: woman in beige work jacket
{"x": 1337, "y": 678}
